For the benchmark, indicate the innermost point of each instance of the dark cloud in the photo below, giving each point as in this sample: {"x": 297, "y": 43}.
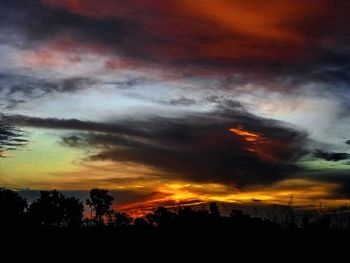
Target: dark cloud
{"x": 224, "y": 102}
{"x": 39, "y": 23}
{"x": 182, "y": 101}
{"x": 16, "y": 90}
{"x": 71, "y": 124}
{"x": 11, "y": 137}
{"x": 343, "y": 189}
{"x": 331, "y": 156}
{"x": 196, "y": 147}
{"x": 72, "y": 84}
{"x": 72, "y": 141}
{"x": 202, "y": 149}
{"x": 347, "y": 142}
{"x": 36, "y": 87}
{"x": 131, "y": 82}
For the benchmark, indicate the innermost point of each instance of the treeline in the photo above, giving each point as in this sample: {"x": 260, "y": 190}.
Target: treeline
{"x": 52, "y": 209}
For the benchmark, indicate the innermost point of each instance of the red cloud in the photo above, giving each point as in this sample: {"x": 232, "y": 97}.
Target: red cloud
{"x": 211, "y": 30}
{"x": 181, "y": 38}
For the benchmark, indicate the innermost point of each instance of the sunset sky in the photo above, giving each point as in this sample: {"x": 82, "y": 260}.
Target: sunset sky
{"x": 168, "y": 102}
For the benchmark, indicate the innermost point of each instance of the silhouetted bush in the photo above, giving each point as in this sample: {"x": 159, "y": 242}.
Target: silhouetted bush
{"x": 119, "y": 219}
{"x": 54, "y": 209}
{"x": 12, "y": 207}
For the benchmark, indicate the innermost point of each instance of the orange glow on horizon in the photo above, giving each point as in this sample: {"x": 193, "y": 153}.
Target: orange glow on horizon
{"x": 305, "y": 194}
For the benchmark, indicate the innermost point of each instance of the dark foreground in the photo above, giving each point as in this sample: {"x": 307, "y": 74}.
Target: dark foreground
{"x": 216, "y": 244}
{"x": 55, "y": 224}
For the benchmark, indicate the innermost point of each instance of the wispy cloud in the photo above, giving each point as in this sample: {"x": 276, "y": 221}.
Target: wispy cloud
{"x": 11, "y": 137}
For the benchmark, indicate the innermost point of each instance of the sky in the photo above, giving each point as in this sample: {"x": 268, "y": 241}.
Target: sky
{"x": 177, "y": 102}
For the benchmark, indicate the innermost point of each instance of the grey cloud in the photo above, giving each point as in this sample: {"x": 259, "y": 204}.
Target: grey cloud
{"x": 16, "y": 90}
{"x": 182, "y": 101}
{"x": 331, "y": 156}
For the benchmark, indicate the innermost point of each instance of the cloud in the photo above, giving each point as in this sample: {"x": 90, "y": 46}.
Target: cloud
{"x": 28, "y": 18}
{"x": 11, "y": 138}
{"x": 219, "y": 36}
{"x": 70, "y": 124}
{"x": 12, "y": 104}
{"x": 182, "y": 101}
{"x": 196, "y": 147}
{"x": 339, "y": 178}
{"x": 32, "y": 86}
{"x": 343, "y": 189}
{"x": 72, "y": 141}
{"x": 331, "y": 156}
{"x": 19, "y": 90}
{"x": 243, "y": 45}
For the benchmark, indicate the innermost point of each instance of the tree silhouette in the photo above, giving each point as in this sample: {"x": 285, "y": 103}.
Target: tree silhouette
{"x": 47, "y": 210}
{"x": 161, "y": 217}
{"x": 54, "y": 209}
{"x": 73, "y": 211}
{"x": 119, "y": 219}
{"x": 140, "y": 223}
{"x": 12, "y": 207}
{"x": 214, "y": 209}
{"x": 238, "y": 218}
{"x": 100, "y": 201}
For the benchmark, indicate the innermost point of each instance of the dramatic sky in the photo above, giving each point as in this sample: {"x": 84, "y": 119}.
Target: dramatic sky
{"x": 177, "y": 101}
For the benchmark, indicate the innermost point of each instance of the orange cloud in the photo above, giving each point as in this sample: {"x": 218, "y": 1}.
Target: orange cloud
{"x": 248, "y": 136}
{"x": 49, "y": 59}
{"x": 268, "y": 149}
{"x": 259, "y": 19}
